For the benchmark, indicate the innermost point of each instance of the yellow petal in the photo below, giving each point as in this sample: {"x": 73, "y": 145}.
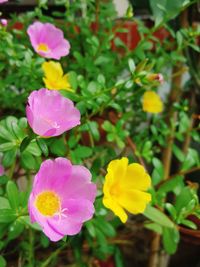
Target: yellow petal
{"x": 52, "y": 70}
{"x": 134, "y": 201}
{"x": 118, "y": 169}
{"x": 152, "y": 102}
{"x": 64, "y": 83}
{"x": 49, "y": 84}
{"x": 136, "y": 178}
{"x": 117, "y": 209}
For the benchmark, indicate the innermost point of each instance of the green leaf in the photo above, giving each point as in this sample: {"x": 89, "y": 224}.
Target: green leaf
{"x": 175, "y": 185}
{"x": 170, "y": 239}
{"x": 105, "y": 226}
{"x": 131, "y": 65}
{"x": 9, "y": 157}
{"x": 25, "y": 142}
{"x": 179, "y": 38}
{"x": 18, "y": 132}
{"x": 101, "y": 238}
{"x": 6, "y": 146}
{"x": 91, "y": 228}
{"x": 58, "y": 147}
{"x": 107, "y": 126}
{"x": 118, "y": 258}
{"x": 4, "y": 203}
{"x": 42, "y": 145}
{"x": 5, "y": 134}
{"x": 93, "y": 127}
{"x": 166, "y": 9}
{"x": 101, "y": 79}
{"x": 28, "y": 161}
{"x": 15, "y": 229}
{"x": 154, "y": 227}
{"x": 26, "y": 221}
{"x": 7, "y": 216}
{"x": 13, "y": 195}
{"x": 171, "y": 209}
{"x": 2, "y": 261}
{"x": 83, "y": 151}
{"x": 23, "y": 123}
{"x": 72, "y": 77}
{"x": 189, "y": 224}
{"x": 178, "y": 153}
{"x": 3, "y": 179}
{"x": 158, "y": 172}
{"x": 191, "y": 159}
{"x": 34, "y": 149}
{"x": 9, "y": 124}
{"x": 183, "y": 199}
{"x": 158, "y": 217}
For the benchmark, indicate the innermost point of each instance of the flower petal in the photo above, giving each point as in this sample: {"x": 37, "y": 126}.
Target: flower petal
{"x": 53, "y": 175}
{"x": 78, "y": 210}
{"x": 80, "y": 184}
{"x": 134, "y": 201}
{"x": 116, "y": 170}
{"x": 116, "y": 208}
{"x": 136, "y": 178}
{"x": 64, "y": 226}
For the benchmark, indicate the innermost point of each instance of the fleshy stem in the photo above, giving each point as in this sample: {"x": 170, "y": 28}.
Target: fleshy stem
{"x": 171, "y": 119}
{"x": 53, "y": 255}
{"x": 31, "y": 248}
{"x": 134, "y": 148}
{"x": 12, "y": 169}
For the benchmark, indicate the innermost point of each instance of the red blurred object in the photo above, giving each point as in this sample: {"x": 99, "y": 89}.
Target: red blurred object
{"x": 130, "y": 38}
{"x": 108, "y": 263}
{"x": 94, "y": 26}
{"x": 17, "y": 26}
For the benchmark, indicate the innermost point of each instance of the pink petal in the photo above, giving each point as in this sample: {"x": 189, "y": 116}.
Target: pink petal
{"x": 78, "y": 210}
{"x": 53, "y": 175}
{"x": 80, "y": 184}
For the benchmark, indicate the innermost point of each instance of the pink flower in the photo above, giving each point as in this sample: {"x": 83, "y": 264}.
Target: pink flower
{"x": 3, "y": 22}
{"x": 3, "y": 1}
{"x": 47, "y": 40}
{"x": 62, "y": 198}
{"x": 50, "y": 114}
{"x": 1, "y": 170}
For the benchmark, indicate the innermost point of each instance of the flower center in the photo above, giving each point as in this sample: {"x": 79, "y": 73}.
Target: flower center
{"x": 42, "y": 48}
{"x": 115, "y": 190}
{"x": 48, "y": 203}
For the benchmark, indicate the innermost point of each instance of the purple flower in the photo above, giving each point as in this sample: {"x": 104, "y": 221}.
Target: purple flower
{"x": 50, "y": 114}
{"x": 3, "y": 1}
{"x": 62, "y": 198}
{"x": 1, "y": 170}
{"x": 47, "y": 40}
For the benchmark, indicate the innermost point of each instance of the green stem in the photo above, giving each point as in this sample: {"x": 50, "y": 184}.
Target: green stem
{"x": 53, "y": 255}
{"x": 12, "y": 169}
{"x": 31, "y": 248}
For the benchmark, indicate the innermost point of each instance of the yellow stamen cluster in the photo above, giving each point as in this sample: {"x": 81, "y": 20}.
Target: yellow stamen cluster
{"x": 42, "y": 48}
{"x": 48, "y": 203}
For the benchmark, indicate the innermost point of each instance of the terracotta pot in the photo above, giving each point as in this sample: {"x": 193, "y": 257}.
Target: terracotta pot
{"x": 190, "y": 235}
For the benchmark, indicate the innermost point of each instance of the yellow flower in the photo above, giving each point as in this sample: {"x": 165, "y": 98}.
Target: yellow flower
{"x": 124, "y": 188}
{"x": 54, "y": 78}
{"x": 152, "y": 102}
